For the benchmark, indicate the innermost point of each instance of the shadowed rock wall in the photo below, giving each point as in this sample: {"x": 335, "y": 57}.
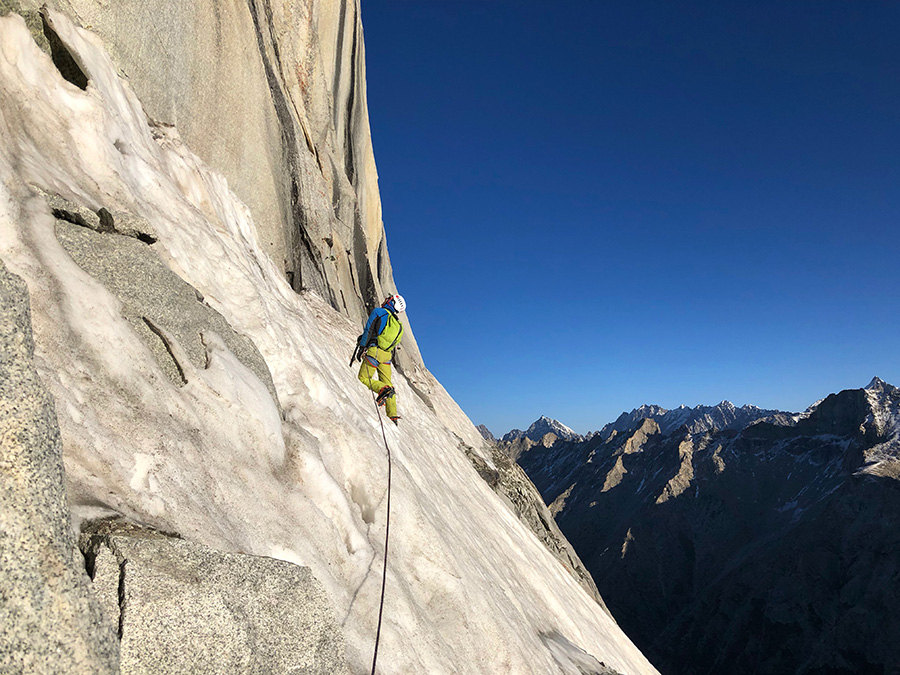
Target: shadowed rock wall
{"x": 764, "y": 550}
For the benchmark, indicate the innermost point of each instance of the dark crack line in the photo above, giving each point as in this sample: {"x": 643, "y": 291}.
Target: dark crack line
{"x": 122, "y": 602}
{"x": 159, "y": 333}
{"x": 289, "y": 146}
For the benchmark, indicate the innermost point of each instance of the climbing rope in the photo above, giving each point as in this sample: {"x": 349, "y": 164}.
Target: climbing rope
{"x": 387, "y": 532}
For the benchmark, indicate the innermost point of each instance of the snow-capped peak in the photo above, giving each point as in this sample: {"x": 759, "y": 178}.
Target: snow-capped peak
{"x": 876, "y": 385}
{"x": 555, "y": 426}
{"x": 541, "y": 427}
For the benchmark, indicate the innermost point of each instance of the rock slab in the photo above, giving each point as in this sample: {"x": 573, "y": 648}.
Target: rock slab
{"x": 52, "y": 623}
{"x": 185, "y": 608}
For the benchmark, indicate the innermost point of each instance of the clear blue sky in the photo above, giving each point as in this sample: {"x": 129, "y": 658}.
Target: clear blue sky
{"x": 593, "y": 205}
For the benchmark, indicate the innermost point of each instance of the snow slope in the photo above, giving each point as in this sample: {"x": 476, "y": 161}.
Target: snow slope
{"x": 469, "y": 589}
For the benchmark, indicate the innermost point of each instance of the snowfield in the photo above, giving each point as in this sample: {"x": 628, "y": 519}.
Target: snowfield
{"x": 469, "y": 588}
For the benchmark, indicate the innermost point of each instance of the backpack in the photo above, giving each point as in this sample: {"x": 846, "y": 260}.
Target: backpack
{"x": 390, "y": 333}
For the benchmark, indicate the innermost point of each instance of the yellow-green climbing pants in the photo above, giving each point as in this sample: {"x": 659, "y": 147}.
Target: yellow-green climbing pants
{"x": 378, "y": 361}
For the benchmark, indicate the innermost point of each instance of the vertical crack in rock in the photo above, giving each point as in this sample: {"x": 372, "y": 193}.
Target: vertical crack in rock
{"x": 338, "y": 64}
{"x": 303, "y": 250}
{"x": 121, "y": 594}
{"x": 352, "y": 273}
{"x": 366, "y": 282}
{"x": 349, "y": 159}
{"x": 90, "y": 563}
{"x": 382, "y": 254}
{"x": 347, "y": 111}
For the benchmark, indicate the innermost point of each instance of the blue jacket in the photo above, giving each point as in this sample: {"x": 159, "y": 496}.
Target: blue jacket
{"x": 377, "y": 321}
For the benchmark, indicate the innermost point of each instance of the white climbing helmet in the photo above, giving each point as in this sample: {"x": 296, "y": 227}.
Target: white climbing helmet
{"x": 396, "y": 302}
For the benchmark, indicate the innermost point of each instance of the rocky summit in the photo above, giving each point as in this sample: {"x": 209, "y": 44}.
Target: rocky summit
{"x": 540, "y": 428}
{"x": 486, "y": 433}
{"x": 767, "y": 548}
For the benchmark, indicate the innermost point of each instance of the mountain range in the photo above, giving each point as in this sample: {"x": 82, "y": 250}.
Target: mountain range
{"x": 697, "y": 419}
{"x": 759, "y": 547}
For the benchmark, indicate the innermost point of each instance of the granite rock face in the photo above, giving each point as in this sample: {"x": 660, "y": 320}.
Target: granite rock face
{"x": 51, "y": 621}
{"x": 214, "y": 458}
{"x": 766, "y": 549}
{"x": 167, "y": 312}
{"x": 184, "y": 608}
{"x": 272, "y": 94}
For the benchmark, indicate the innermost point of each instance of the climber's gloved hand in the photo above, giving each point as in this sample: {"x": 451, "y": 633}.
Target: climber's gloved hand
{"x": 357, "y": 354}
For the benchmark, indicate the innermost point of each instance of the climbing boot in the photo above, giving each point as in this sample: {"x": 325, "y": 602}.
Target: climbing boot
{"x": 395, "y": 420}
{"x": 383, "y": 395}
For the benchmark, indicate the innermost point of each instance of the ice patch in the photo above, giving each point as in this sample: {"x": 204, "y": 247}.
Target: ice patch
{"x": 142, "y": 466}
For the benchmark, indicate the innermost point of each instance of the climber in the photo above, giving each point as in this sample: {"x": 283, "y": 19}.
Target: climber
{"x": 375, "y": 348}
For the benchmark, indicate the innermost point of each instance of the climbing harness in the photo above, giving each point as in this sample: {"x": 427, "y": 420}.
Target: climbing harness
{"x": 387, "y": 532}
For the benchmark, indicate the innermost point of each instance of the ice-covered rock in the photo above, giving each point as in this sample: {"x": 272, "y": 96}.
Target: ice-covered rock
{"x": 211, "y": 455}
{"x": 272, "y": 95}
